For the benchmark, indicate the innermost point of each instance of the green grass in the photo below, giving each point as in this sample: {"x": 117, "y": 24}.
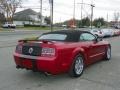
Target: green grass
{"x": 37, "y": 28}
{"x": 34, "y": 28}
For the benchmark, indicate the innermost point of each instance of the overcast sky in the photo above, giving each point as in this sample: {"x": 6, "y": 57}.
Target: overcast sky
{"x": 63, "y": 9}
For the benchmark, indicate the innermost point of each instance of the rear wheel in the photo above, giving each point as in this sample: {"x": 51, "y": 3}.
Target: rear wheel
{"x": 77, "y": 66}
{"x": 108, "y": 53}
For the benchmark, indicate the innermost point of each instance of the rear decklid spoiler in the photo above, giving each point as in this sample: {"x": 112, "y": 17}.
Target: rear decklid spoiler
{"x": 28, "y": 41}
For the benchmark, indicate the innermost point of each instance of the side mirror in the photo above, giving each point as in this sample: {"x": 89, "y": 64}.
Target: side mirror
{"x": 98, "y": 39}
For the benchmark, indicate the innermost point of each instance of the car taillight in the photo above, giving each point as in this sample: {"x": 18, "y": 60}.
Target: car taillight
{"x": 48, "y": 52}
{"x": 19, "y": 48}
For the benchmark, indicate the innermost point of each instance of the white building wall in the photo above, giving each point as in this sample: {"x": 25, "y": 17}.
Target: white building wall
{"x": 21, "y": 23}
{"x": 37, "y": 21}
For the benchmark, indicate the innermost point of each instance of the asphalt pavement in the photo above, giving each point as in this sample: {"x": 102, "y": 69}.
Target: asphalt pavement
{"x": 10, "y": 38}
{"x": 104, "y": 75}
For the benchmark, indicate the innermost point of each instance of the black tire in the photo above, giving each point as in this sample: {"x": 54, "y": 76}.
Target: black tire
{"x": 108, "y": 53}
{"x": 76, "y": 65}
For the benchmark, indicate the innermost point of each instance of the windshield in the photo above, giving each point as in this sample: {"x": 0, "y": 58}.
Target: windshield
{"x": 55, "y": 37}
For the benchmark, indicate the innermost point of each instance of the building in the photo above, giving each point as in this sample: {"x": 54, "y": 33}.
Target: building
{"x": 28, "y": 16}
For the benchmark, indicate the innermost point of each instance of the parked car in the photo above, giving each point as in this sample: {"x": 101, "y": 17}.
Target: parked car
{"x": 65, "y": 51}
{"x": 107, "y": 32}
{"x": 13, "y": 26}
{"x": 117, "y": 26}
{"x": 116, "y": 32}
{"x": 97, "y": 32}
{"x": 9, "y": 26}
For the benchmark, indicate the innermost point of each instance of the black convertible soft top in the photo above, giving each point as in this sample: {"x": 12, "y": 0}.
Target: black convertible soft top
{"x": 72, "y": 35}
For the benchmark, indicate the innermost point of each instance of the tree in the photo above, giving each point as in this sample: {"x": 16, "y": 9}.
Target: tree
{"x": 99, "y": 22}
{"x": 84, "y": 22}
{"x": 8, "y": 7}
{"x": 2, "y": 18}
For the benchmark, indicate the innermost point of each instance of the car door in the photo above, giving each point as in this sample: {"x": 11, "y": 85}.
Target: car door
{"x": 95, "y": 48}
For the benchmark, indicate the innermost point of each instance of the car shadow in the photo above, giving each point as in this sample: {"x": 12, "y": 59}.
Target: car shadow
{"x": 30, "y": 75}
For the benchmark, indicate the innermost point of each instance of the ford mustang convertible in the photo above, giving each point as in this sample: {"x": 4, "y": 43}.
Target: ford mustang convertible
{"x": 65, "y": 51}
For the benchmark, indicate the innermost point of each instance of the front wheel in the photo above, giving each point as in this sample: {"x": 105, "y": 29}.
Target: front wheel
{"x": 108, "y": 53}
{"x": 77, "y": 66}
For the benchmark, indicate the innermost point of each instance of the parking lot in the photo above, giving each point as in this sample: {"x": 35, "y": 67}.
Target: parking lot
{"x": 104, "y": 75}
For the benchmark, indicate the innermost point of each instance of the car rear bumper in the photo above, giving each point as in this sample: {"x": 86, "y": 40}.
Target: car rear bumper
{"x": 40, "y": 64}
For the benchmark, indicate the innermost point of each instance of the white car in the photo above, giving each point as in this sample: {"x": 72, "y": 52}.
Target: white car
{"x": 107, "y": 32}
{"x": 116, "y": 32}
{"x": 9, "y": 26}
{"x": 97, "y": 32}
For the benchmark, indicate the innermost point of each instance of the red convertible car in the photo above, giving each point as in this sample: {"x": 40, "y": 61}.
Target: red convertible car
{"x": 65, "y": 51}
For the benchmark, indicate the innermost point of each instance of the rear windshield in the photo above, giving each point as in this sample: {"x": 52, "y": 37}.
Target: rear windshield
{"x": 55, "y": 37}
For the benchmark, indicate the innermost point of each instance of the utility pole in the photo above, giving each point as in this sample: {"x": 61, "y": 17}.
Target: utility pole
{"x": 40, "y": 12}
{"x": 51, "y": 14}
{"x": 74, "y": 10}
{"x": 91, "y": 24}
{"x": 92, "y": 6}
{"x": 74, "y": 15}
{"x": 107, "y": 20}
{"x": 81, "y": 12}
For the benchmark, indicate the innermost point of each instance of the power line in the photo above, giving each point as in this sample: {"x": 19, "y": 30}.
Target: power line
{"x": 44, "y": 9}
{"x": 92, "y": 6}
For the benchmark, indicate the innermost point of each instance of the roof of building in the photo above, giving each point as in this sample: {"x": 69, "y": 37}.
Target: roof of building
{"x": 24, "y": 15}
